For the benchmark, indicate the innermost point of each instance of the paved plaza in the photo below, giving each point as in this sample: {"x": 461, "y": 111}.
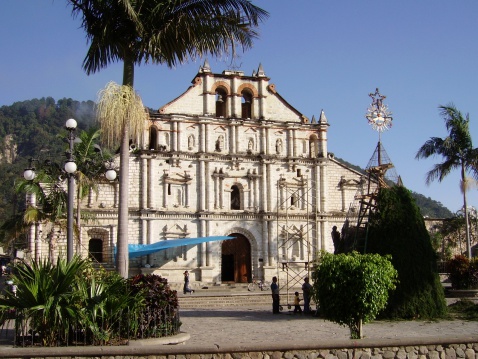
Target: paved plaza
{"x": 243, "y": 326}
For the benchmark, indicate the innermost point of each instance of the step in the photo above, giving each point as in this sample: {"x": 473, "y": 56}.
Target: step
{"x": 190, "y": 301}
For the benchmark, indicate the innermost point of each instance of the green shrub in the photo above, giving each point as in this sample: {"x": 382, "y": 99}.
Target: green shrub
{"x": 72, "y": 303}
{"x": 159, "y": 317}
{"x": 463, "y": 272}
{"x": 397, "y": 228}
{"x": 353, "y": 288}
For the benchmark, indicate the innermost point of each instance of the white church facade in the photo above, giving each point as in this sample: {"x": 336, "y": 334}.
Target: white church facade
{"x": 228, "y": 157}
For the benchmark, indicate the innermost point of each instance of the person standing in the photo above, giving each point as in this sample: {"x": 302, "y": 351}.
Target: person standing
{"x": 297, "y": 308}
{"x": 306, "y": 292}
{"x": 275, "y": 296}
{"x": 187, "y": 288}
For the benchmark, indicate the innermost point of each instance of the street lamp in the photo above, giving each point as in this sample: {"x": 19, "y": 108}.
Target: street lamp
{"x": 70, "y": 168}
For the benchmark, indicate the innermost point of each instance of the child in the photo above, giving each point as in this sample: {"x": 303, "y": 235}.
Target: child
{"x": 187, "y": 288}
{"x": 297, "y": 308}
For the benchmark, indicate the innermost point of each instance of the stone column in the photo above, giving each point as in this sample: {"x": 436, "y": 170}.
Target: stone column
{"x": 144, "y": 240}
{"x": 144, "y": 182}
{"x": 207, "y": 183}
{"x": 232, "y": 144}
{"x": 202, "y": 137}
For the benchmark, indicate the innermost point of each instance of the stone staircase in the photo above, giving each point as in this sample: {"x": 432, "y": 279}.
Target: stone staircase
{"x": 223, "y": 300}
{"x": 225, "y": 295}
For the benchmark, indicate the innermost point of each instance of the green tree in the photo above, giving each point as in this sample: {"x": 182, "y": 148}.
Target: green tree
{"x": 397, "y": 228}
{"x": 163, "y": 32}
{"x": 457, "y": 152}
{"x": 91, "y": 168}
{"x": 353, "y": 288}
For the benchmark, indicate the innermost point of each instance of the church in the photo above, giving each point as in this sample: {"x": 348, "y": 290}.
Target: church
{"x": 227, "y": 157}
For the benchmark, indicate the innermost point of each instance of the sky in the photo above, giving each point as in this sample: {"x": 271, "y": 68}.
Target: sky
{"x": 321, "y": 55}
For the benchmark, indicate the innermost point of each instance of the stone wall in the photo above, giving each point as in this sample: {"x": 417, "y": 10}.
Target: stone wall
{"x": 409, "y": 348}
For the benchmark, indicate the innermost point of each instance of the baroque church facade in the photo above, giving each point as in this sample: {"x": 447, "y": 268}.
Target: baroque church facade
{"x": 228, "y": 157}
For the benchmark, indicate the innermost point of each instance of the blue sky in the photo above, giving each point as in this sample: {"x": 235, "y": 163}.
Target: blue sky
{"x": 320, "y": 55}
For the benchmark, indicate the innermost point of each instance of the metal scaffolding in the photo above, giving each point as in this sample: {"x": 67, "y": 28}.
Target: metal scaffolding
{"x": 380, "y": 174}
{"x": 295, "y": 223}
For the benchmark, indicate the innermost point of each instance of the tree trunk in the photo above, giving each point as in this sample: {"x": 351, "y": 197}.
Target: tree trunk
{"x": 356, "y": 329}
{"x": 122, "y": 255}
{"x": 465, "y": 206}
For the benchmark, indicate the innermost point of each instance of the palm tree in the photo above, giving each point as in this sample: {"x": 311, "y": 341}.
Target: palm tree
{"x": 47, "y": 203}
{"x": 91, "y": 168}
{"x": 163, "y": 32}
{"x": 458, "y": 153}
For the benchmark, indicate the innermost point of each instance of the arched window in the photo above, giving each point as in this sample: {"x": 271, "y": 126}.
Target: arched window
{"x": 95, "y": 249}
{"x": 153, "y": 138}
{"x": 221, "y": 98}
{"x": 246, "y": 105}
{"x": 235, "y": 197}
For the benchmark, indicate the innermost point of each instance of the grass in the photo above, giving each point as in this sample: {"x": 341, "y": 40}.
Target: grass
{"x": 463, "y": 309}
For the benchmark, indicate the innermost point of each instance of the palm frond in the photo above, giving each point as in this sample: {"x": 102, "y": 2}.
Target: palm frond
{"x": 119, "y": 106}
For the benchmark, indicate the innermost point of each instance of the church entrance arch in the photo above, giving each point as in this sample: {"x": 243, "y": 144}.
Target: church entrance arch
{"x": 236, "y": 259}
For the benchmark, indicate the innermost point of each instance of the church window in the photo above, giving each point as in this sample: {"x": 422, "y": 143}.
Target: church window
{"x": 235, "y": 197}
{"x": 169, "y": 189}
{"x": 246, "y": 105}
{"x": 299, "y": 172}
{"x": 153, "y": 138}
{"x": 221, "y": 98}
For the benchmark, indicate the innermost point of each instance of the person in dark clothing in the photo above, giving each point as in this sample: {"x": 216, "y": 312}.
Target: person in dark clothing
{"x": 306, "y": 288}
{"x": 275, "y": 296}
{"x": 187, "y": 288}
{"x": 336, "y": 239}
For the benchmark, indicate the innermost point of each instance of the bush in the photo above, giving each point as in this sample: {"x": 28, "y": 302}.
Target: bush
{"x": 397, "y": 228}
{"x": 71, "y": 303}
{"x": 463, "y": 272}
{"x": 159, "y": 317}
{"x": 353, "y": 288}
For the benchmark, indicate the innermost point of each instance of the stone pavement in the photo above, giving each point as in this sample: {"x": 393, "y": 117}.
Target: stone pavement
{"x": 243, "y": 326}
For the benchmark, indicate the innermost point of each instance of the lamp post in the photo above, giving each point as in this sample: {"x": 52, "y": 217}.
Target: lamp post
{"x": 70, "y": 168}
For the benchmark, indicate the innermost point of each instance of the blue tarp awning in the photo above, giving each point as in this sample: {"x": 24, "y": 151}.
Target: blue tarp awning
{"x": 138, "y": 250}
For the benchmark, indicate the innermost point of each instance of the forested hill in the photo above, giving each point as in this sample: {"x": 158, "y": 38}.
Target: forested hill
{"x": 35, "y": 129}
{"x": 428, "y": 207}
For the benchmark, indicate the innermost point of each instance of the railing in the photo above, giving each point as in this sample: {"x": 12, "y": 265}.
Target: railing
{"x": 102, "y": 333}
